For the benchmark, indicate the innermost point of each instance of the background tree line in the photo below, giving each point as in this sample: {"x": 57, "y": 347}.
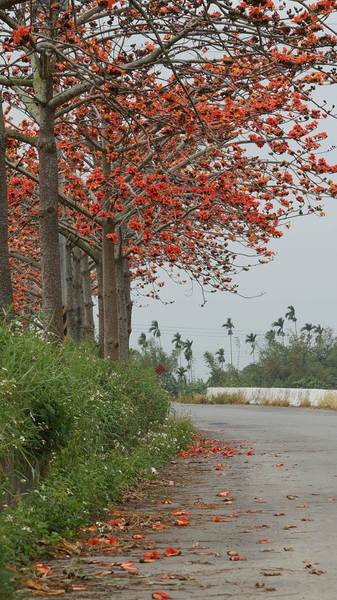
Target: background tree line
{"x": 304, "y": 357}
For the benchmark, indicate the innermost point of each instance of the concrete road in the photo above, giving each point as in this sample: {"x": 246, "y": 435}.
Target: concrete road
{"x": 303, "y": 493}
{"x": 277, "y": 513}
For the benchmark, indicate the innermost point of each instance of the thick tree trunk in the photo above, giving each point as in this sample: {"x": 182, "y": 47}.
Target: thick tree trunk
{"x": 6, "y": 291}
{"x": 99, "y": 275}
{"x": 88, "y": 315}
{"x": 110, "y": 310}
{"x": 48, "y": 184}
{"x": 78, "y": 296}
{"x": 127, "y": 287}
{"x": 63, "y": 266}
{"x": 70, "y": 292}
{"x": 123, "y": 324}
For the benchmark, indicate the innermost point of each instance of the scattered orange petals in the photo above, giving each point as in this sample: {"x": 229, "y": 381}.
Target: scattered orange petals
{"x": 150, "y": 556}
{"x": 182, "y": 521}
{"x": 223, "y": 494}
{"x": 44, "y": 570}
{"x": 104, "y": 541}
{"x": 138, "y": 536}
{"x": 264, "y": 541}
{"x": 171, "y": 551}
{"x": 78, "y": 588}
{"x": 94, "y": 541}
{"x": 234, "y": 555}
{"x": 40, "y": 588}
{"x": 279, "y": 465}
{"x": 160, "y": 596}
{"x": 120, "y": 522}
{"x": 92, "y": 529}
{"x": 130, "y": 567}
{"x": 158, "y": 526}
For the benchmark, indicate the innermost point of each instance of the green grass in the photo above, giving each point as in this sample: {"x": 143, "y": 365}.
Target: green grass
{"x": 224, "y": 398}
{"x": 234, "y": 397}
{"x": 79, "y": 430}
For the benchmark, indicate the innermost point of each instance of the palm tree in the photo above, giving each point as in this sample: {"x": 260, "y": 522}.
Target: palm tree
{"x": 181, "y": 372}
{"x": 221, "y": 357}
{"x": 230, "y": 326}
{"x": 154, "y": 329}
{"x": 178, "y": 344}
{"x": 270, "y": 336}
{"x": 142, "y": 341}
{"x": 291, "y": 316}
{"x": 251, "y": 339}
{"x": 319, "y": 330}
{"x": 188, "y": 356}
{"x": 308, "y": 328}
{"x": 279, "y": 325}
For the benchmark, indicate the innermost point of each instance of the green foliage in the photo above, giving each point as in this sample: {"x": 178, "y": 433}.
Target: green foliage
{"x": 78, "y": 430}
{"x": 306, "y": 361}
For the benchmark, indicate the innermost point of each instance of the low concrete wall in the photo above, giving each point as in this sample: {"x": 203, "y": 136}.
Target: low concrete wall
{"x": 294, "y": 396}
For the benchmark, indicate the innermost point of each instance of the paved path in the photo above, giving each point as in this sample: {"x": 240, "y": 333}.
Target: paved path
{"x": 305, "y": 441}
{"x": 280, "y": 515}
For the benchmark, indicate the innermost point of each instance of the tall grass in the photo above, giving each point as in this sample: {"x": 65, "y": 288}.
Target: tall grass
{"x": 75, "y": 430}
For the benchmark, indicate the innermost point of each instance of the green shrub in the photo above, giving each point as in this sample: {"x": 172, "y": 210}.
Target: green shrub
{"x": 79, "y": 430}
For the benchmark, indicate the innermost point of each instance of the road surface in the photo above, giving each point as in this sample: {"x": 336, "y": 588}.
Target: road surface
{"x": 305, "y": 442}
{"x": 261, "y": 524}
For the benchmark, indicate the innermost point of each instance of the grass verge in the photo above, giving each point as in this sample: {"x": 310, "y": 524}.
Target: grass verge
{"x": 328, "y": 400}
{"x": 75, "y": 433}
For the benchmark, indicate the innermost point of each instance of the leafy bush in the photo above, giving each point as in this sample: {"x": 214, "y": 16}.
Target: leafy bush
{"x": 304, "y": 362}
{"x": 77, "y": 430}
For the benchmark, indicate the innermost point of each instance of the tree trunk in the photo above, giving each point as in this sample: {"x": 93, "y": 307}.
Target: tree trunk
{"x": 123, "y": 325}
{"x": 6, "y": 291}
{"x": 111, "y": 342}
{"x": 63, "y": 267}
{"x": 48, "y": 184}
{"x": 78, "y": 296}
{"x": 127, "y": 286}
{"x": 99, "y": 275}
{"x": 88, "y": 315}
{"x": 69, "y": 297}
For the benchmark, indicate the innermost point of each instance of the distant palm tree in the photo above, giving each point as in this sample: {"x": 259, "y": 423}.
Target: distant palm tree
{"x": 188, "y": 356}
{"x": 291, "y": 316}
{"x": 221, "y": 357}
{"x": 279, "y": 325}
{"x": 142, "y": 341}
{"x": 181, "y": 372}
{"x": 178, "y": 344}
{"x": 251, "y": 339}
{"x": 270, "y": 336}
{"x": 154, "y": 329}
{"x": 230, "y": 327}
{"x": 308, "y": 328}
{"x": 319, "y": 330}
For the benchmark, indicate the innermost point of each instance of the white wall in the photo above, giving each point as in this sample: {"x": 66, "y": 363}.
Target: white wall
{"x": 259, "y": 395}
